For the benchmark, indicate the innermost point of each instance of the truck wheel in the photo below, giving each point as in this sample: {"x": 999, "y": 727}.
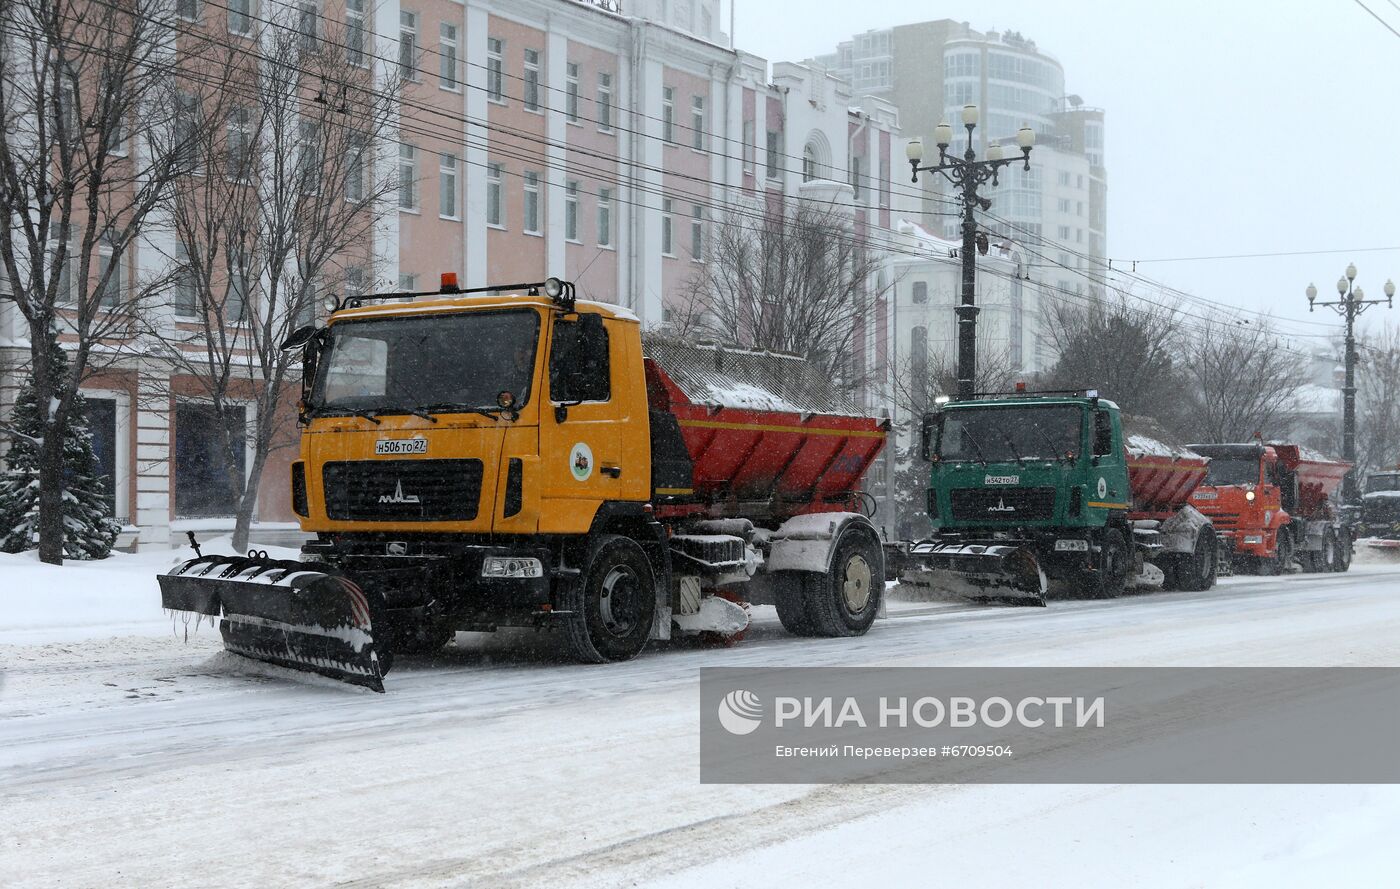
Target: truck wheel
{"x": 1341, "y": 547}
{"x": 1283, "y": 556}
{"x": 844, "y": 601}
{"x": 1111, "y": 574}
{"x": 1197, "y": 571}
{"x": 613, "y": 603}
{"x": 790, "y": 600}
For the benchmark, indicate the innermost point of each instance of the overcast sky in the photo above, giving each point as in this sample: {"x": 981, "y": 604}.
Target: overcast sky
{"x": 1232, "y": 126}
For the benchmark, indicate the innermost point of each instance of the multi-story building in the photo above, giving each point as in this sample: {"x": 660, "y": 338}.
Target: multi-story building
{"x": 537, "y": 138}
{"x": 1058, "y": 209}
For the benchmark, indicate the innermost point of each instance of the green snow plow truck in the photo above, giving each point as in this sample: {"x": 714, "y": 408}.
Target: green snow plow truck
{"x": 1034, "y": 489}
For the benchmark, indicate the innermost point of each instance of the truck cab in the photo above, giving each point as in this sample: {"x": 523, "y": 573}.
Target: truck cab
{"x": 1043, "y": 473}
{"x": 1246, "y": 495}
{"x": 1380, "y": 505}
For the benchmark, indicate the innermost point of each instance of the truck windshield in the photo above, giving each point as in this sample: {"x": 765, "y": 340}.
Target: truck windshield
{"x": 1383, "y": 483}
{"x": 1233, "y": 471}
{"x": 1009, "y": 434}
{"x": 461, "y": 360}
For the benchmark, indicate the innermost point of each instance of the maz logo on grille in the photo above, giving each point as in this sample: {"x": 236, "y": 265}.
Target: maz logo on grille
{"x": 1001, "y": 506}
{"x": 398, "y": 496}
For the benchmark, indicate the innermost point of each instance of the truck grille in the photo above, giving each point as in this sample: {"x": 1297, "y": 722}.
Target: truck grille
{"x": 402, "y": 490}
{"x": 1004, "y": 504}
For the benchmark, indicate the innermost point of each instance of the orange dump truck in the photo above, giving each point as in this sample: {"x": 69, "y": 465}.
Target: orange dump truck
{"x": 1274, "y": 504}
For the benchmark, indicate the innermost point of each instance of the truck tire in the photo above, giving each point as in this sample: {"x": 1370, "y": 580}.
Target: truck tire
{"x": 1283, "y": 556}
{"x": 1342, "y": 549}
{"x": 844, "y": 601}
{"x": 1110, "y": 575}
{"x": 790, "y": 600}
{"x": 613, "y": 603}
{"x": 1196, "y": 572}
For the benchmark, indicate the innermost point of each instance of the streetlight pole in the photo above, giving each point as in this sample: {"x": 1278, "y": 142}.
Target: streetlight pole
{"x": 966, "y": 173}
{"x": 1350, "y": 303}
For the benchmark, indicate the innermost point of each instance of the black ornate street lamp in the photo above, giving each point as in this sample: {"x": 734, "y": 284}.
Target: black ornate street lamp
{"x": 1351, "y": 302}
{"x": 966, "y": 173}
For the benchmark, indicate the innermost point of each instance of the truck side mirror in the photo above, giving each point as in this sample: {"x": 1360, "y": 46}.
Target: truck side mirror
{"x": 299, "y": 337}
{"x": 927, "y": 432}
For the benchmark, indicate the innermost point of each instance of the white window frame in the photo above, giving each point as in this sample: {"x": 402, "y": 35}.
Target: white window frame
{"x": 530, "y": 87}
{"x": 697, "y": 233}
{"x": 447, "y": 187}
{"x": 408, "y": 45}
{"x": 309, "y": 24}
{"x": 748, "y": 148}
{"x": 117, "y": 284}
{"x": 448, "y": 78}
{"x": 668, "y": 115}
{"x": 495, "y": 194}
{"x": 355, "y": 33}
{"x": 603, "y": 104}
{"x": 189, "y": 10}
{"x": 571, "y": 211}
{"x": 668, "y": 239}
{"x": 699, "y": 139}
{"x": 605, "y": 218}
{"x": 408, "y": 162}
{"x": 531, "y": 204}
{"x": 240, "y": 17}
{"x": 495, "y": 70}
{"x": 571, "y": 93}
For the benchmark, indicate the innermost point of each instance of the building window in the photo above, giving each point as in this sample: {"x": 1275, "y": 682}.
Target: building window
{"x": 202, "y": 470}
{"x": 495, "y": 69}
{"x": 809, "y": 163}
{"x": 188, "y": 122}
{"x": 532, "y": 80}
{"x": 772, "y": 155}
{"x": 697, "y": 233}
{"x": 697, "y": 123}
{"x": 447, "y": 186}
{"x": 858, "y": 177}
{"x": 354, "y": 281}
{"x": 309, "y": 160}
{"x": 408, "y": 283}
{"x": 113, "y": 286}
{"x": 408, "y": 45}
{"x": 447, "y": 57}
{"x": 1079, "y": 208}
{"x": 355, "y": 167}
{"x": 240, "y": 142}
{"x": 236, "y": 300}
{"x": 1062, "y": 232}
{"x": 187, "y": 10}
{"x": 571, "y": 92}
{"x": 571, "y": 210}
{"x": 408, "y": 177}
{"x": 355, "y": 32}
{"x": 309, "y": 23}
{"x": 605, "y": 217}
{"x": 495, "y": 211}
{"x": 668, "y": 248}
{"x": 747, "y": 151}
{"x": 920, "y": 292}
{"x": 605, "y": 110}
{"x": 531, "y": 222}
{"x": 240, "y": 19}
{"x": 1062, "y": 204}
{"x": 1063, "y": 177}
{"x": 186, "y": 301}
{"x": 668, "y": 114}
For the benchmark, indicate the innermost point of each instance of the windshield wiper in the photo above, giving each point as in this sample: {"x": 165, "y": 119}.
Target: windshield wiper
{"x": 357, "y": 412}
{"x": 491, "y": 413}
{"x": 1048, "y": 440}
{"x": 972, "y": 440}
{"x": 417, "y": 412}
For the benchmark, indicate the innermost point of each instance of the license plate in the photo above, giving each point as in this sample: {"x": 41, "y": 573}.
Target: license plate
{"x": 1071, "y": 546}
{"x": 400, "y": 446}
{"x": 1002, "y": 480}
{"x": 1204, "y": 495}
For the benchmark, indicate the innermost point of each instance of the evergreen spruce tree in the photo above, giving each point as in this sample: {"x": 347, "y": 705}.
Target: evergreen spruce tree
{"x": 89, "y": 532}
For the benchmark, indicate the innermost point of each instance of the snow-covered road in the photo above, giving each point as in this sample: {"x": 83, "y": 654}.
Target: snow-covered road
{"x": 145, "y": 760}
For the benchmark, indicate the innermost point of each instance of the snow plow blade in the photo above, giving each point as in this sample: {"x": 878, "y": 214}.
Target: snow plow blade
{"x": 998, "y": 573}
{"x": 281, "y": 612}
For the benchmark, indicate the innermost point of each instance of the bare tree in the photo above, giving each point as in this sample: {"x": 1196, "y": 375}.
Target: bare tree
{"x": 1241, "y": 382}
{"x": 87, "y": 158}
{"x": 1125, "y": 349}
{"x": 289, "y": 201}
{"x": 793, "y": 278}
{"x": 1378, "y": 401}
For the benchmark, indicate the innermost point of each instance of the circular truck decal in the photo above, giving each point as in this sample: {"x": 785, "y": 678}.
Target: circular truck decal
{"x": 581, "y": 461}
{"x": 1103, "y": 488}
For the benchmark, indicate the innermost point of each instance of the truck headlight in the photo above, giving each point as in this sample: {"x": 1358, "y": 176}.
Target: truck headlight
{"x": 1253, "y": 538}
{"x": 511, "y": 566}
{"x": 1249, "y": 495}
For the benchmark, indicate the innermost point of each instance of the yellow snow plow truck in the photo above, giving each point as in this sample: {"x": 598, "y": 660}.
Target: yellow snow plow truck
{"x": 509, "y": 456}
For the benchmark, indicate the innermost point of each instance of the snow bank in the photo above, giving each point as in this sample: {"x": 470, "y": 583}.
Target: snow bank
{"x": 117, "y": 596}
